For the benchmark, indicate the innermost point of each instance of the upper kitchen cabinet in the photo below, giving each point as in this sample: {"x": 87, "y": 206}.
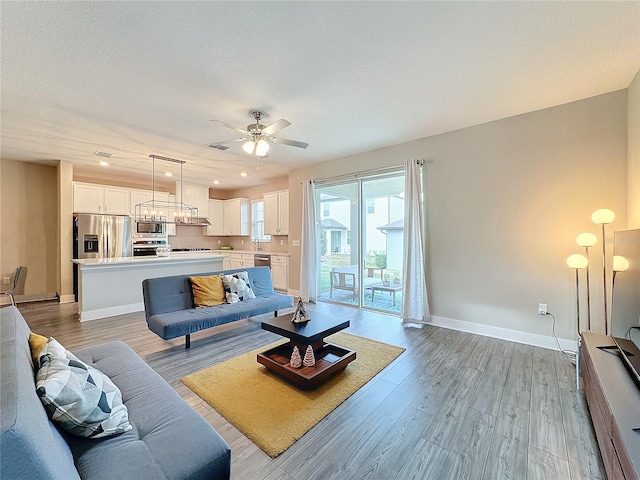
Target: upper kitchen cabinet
{"x": 276, "y": 213}
{"x": 144, "y": 196}
{"x": 90, "y": 198}
{"x": 216, "y": 218}
{"x": 236, "y": 216}
{"x": 195, "y": 196}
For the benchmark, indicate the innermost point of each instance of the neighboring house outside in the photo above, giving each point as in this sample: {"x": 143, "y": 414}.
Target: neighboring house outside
{"x": 336, "y": 219}
{"x": 394, "y": 232}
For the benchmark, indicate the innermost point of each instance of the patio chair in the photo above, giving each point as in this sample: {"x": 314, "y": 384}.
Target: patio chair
{"x": 346, "y": 278}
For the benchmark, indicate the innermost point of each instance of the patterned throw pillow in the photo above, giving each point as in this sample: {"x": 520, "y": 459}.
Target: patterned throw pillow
{"x": 79, "y": 398}
{"x": 237, "y": 287}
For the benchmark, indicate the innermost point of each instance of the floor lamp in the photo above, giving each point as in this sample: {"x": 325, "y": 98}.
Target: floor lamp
{"x": 620, "y": 264}
{"x": 603, "y": 217}
{"x": 577, "y": 262}
{"x": 587, "y": 240}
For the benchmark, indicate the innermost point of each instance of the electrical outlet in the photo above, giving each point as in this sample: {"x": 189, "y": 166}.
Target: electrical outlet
{"x": 6, "y": 280}
{"x": 242, "y": 242}
{"x": 219, "y": 242}
{"x": 281, "y": 242}
{"x": 542, "y": 309}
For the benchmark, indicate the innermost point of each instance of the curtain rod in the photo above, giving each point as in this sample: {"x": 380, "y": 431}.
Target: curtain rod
{"x": 363, "y": 173}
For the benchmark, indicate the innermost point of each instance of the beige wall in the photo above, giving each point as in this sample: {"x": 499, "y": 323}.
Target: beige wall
{"x": 29, "y": 224}
{"x": 633, "y": 152}
{"x": 505, "y": 201}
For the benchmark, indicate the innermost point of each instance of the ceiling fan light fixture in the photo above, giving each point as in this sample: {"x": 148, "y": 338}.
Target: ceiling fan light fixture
{"x": 262, "y": 147}
{"x": 248, "y": 146}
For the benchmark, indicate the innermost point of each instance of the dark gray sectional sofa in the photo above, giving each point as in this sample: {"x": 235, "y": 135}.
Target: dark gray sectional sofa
{"x": 169, "y": 310}
{"x": 169, "y": 440}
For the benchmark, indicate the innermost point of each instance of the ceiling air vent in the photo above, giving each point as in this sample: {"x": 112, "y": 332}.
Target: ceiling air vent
{"x": 98, "y": 153}
{"x": 219, "y": 147}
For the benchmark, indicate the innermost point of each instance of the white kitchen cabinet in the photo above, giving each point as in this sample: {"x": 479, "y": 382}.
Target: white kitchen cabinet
{"x": 236, "y": 216}
{"x": 146, "y": 196}
{"x": 91, "y": 198}
{"x": 138, "y": 196}
{"x": 240, "y": 260}
{"x": 216, "y": 217}
{"x": 276, "y": 213}
{"x": 280, "y": 272}
{"x": 195, "y": 196}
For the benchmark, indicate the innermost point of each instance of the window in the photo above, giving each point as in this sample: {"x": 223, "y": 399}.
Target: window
{"x": 257, "y": 222}
{"x": 325, "y": 209}
{"x": 371, "y": 206}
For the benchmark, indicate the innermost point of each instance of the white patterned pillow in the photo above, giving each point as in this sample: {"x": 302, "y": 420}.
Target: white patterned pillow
{"x": 237, "y": 287}
{"x": 78, "y": 397}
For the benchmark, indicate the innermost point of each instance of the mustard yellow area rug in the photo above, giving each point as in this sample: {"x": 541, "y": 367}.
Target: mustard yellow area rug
{"x": 273, "y": 413}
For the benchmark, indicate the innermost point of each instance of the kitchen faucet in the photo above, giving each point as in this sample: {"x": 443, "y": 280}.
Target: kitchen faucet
{"x": 256, "y": 245}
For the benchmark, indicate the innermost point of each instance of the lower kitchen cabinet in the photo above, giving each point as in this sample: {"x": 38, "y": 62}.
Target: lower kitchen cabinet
{"x": 280, "y": 272}
{"x": 240, "y": 260}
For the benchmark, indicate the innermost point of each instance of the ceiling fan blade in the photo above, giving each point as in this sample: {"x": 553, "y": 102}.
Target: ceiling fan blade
{"x": 228, "y": 125}
{"x": 215, "y": 144}
{"x": 292, "y": 143}
{"x": 276, "y": 126}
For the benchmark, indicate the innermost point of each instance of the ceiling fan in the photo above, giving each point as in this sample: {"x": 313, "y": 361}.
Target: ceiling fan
{"x": 257, "y": 136}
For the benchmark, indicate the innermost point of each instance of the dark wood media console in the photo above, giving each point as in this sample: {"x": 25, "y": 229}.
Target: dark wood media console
{"x": 614, "y": 404}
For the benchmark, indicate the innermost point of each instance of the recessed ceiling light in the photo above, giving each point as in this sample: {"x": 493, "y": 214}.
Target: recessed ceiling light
{"x": 104, "y": 163}
{"x": 243, "y": 174}
{"x": 168, "y": 174}
{"x": 216, "y": 182}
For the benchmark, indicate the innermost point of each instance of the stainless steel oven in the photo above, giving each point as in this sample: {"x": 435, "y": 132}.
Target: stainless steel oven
{"x": 147, "y": 247}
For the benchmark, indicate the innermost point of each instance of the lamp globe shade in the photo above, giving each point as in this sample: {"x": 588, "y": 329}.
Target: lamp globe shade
{"x": 577, "y": 261}
{"x": 586, "y": 239}
{"x": 248, "y": 146}
{"x": 603, "y": 216}
{"x": 620, "y": 264}
{"x": 262, "y": 147}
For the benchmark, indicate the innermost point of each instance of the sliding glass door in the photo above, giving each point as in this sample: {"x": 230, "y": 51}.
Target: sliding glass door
{"x": 361, "y": 241}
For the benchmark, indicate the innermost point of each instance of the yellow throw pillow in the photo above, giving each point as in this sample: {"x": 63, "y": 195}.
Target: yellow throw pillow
{"x": 207, "y": 291}
{"x": 36, "y": 343}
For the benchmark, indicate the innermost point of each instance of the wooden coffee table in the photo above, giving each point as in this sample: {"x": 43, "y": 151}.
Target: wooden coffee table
{"x": 330, "y": 358}
{"x": 391, "y": 288}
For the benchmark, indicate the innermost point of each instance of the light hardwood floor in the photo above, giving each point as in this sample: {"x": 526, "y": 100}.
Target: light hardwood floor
{"x": 453, "y": 406}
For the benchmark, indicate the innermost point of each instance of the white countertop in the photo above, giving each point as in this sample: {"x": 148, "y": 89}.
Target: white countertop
{"x": 173, "y": 258}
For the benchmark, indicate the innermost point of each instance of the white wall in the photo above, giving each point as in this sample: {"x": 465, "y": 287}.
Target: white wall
{"x": 505, "y": 201}
{"x": 633, "y": 152}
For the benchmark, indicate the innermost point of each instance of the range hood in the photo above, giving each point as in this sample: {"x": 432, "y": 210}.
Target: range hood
{"x": 155, "y": 211}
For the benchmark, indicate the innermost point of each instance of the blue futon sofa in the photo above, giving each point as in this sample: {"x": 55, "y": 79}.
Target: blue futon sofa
{"x": 169, "y": 440}
{"x": 170, "y": 313}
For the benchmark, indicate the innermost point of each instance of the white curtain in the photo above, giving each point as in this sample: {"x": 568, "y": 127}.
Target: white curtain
{"x": 415, "y": 303}
{"x": 309, "y": 252}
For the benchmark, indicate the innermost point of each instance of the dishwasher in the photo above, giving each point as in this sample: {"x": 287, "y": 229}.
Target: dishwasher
{"x": 262, "y": 260}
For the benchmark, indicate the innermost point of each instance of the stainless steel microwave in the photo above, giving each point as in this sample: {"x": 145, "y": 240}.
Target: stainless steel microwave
{"x": 153, "y": 229}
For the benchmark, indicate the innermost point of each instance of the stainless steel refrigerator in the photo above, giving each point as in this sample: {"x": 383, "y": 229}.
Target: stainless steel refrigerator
{"x": 100, "y": 236}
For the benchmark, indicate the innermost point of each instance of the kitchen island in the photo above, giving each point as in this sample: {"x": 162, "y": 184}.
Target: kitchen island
{"x": 113, "y": 286}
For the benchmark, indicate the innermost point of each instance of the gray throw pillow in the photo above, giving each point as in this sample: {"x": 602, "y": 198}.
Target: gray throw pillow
{"x": 237, "y": 287}
{"x": 78, "y": 397}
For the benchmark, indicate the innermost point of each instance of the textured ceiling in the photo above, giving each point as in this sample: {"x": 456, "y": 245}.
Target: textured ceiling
{"x": 141, "y": 78}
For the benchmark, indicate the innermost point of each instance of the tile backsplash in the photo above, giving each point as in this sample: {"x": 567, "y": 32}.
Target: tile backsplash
{"x": 195, "y": 237}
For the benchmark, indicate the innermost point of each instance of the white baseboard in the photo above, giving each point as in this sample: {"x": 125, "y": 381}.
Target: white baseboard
{"x": 111, "y": 311}
{"x": 504, "y": 333}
